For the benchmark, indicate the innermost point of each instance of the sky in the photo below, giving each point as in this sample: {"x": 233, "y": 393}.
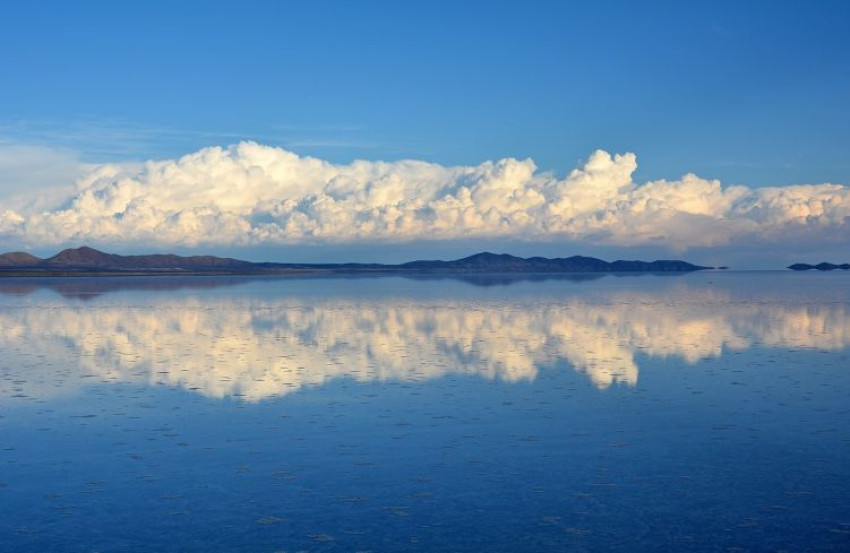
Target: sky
{"x": 715, "y": 132}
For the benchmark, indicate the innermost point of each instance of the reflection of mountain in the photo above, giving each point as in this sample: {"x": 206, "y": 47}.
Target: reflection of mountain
{"x": 253, "y": 347}
{"x": 89, "y": 287}
{"x": 86, "y": 287}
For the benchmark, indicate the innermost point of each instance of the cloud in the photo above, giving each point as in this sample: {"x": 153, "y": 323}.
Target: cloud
{"x": 250, "y": 194}
{"x": 27, "y": 172}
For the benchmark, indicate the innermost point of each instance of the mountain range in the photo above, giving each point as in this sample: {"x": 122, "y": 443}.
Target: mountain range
{"x": 820, "y": 266}
{"x": 85, "y": 259}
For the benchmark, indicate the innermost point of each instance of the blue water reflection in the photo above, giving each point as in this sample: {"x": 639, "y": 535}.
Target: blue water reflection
{"x": 704, "y": 413}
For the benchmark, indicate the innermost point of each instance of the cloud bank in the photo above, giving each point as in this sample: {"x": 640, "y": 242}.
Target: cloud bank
{"x": 250, "y": 194}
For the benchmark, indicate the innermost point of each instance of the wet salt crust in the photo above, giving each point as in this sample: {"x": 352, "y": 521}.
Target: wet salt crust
{"x": 700, "y": 412}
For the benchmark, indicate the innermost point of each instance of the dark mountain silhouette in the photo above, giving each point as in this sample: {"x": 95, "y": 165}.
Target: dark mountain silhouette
{"x": 86, "y": 257}
{"x": 18, "y": 259}
{"x": 491, "y": 262}
{"x": 90, "y": 260}
{"x": 820, "y": 267}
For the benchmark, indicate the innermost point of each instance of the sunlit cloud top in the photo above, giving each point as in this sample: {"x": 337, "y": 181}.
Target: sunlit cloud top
{"x": 249, "y": 194}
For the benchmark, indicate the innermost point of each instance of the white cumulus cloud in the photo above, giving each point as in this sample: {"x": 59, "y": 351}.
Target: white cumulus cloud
{"x": 250, "y": 194}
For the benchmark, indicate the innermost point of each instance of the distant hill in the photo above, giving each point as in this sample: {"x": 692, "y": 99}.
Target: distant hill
{"x": 90, "y": 258}
{"x": 85, "y": 259}
{"x": 820, "y": 267}
{"x": 491, "y": 262}
{"x": 18, "y": 259}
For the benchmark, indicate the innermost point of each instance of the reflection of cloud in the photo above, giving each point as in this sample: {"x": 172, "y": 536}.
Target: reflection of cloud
{"x": 257, "y": 348}
{"x": 253, "y": 194}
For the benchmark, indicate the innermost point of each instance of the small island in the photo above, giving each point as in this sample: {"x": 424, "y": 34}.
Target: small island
{"x": 820, "y": 267}
{"x": 91, "y": 262}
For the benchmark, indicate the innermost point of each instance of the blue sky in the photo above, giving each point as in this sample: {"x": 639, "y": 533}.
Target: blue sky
{"x": 751, "y": 93}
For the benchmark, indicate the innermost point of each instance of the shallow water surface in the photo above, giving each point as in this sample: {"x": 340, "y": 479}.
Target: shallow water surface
{"x": 700, "y": 412}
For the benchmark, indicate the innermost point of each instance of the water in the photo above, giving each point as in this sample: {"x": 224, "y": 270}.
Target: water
{"x": 700, "y": 412}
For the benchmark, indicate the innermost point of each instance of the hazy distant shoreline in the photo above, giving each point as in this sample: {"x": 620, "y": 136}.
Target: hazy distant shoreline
{"x": 87, "y": 261}
{"x": 819, "y": 267}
